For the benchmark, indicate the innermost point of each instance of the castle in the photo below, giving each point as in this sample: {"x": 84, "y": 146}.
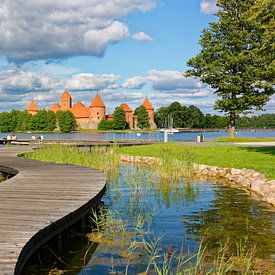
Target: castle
{"x": 89, "y": 117}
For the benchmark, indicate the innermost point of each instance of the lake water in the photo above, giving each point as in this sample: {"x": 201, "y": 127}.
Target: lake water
{"x": 180, "y": 213}
{"x": 184, "y": 136}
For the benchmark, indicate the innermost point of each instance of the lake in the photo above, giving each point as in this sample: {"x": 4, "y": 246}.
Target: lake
{"x": 183, "y": 136}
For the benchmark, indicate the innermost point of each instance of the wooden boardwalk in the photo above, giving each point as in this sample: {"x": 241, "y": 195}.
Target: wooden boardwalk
{"x": 39, "y": 202}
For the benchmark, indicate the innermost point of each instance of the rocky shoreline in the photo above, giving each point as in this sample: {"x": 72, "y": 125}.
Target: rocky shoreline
{"x": 245, "y": 178}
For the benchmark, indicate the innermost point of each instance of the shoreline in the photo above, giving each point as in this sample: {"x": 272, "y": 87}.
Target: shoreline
{"x": 247, "y": 179}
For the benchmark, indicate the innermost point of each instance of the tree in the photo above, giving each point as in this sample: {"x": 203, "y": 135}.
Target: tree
{"x": 23, "y": 121}
{"x": 104, "y": 124}
{"x": 143, "y": 118}
{"x": 119, "y": 119}
{"x": 66, "y": 121}
{"x": 5, "y": 122}
{"x": 51, "y": 121}
{"x": 233, "y": 62}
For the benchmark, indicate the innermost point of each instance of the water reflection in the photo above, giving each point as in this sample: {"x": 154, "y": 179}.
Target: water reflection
{"x": 181, "y": 213}
{"x": 175, "y": 216}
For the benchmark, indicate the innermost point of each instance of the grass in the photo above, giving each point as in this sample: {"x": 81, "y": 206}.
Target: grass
{"x": 241, "y": 139}
{"x": 261, "y": 159}
{"x": 104, "y": 159}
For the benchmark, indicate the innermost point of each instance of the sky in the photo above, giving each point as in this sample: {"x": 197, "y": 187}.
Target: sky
{"x": 123, "y": 49}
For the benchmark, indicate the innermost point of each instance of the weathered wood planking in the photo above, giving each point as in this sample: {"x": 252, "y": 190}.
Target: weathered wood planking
{"x": 39, "y": 202}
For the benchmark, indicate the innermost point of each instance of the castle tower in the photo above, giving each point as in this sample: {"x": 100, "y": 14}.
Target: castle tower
{"x": 32, "y": 108}
{"x": 55, "y": 107}
{"x": 128, "y": 114}
{"x": 97, "y": 109}
{"x": 66, "y": 101}
{"x": 150, "y": 109}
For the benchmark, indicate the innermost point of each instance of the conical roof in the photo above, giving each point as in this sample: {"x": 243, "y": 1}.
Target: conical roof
{"x": 55, "y": 107}
{"x": 125, "y": 107}
{"x": 80, "y": 111}
{"x": 32, "y": 106}
{"x": 147, "y": 104}
{"x": 97, "y": 101}
{"x": 66, "y": 95}
{"x": 79, "y": 104}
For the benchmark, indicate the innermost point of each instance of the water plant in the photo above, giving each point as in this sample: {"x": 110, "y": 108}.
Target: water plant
{"x": 102, "y": 158}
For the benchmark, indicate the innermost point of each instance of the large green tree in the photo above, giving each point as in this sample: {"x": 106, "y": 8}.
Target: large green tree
{"x": 66, "y": 121}
{"x": 143, "y": 118}
{"x": 233, "y": 60}
{"x": 119, "y": 119}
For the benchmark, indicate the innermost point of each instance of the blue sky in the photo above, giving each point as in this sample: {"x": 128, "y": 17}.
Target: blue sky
{"x": 123, "y": 49}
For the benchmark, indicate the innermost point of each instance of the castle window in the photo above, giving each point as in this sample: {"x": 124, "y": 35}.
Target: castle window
{"x": 97, "y": 117}
{"x": 97, "y": 113}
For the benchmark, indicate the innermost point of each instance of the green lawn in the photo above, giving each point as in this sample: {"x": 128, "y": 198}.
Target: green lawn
{"x": 241, "y": 139}
{"x": 256, "y": 158}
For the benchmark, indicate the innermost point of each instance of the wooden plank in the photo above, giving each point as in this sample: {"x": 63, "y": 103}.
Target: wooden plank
{"x": 39, "y": 202}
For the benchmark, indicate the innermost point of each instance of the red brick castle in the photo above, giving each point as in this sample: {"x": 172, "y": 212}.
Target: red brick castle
{"x": 89, "y": 117}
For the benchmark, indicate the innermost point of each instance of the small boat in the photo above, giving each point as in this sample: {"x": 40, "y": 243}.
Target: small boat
{"x": 170, "y": 130}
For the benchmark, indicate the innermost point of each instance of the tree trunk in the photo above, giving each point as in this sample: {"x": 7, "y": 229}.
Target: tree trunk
{"x": 232, "y": 126}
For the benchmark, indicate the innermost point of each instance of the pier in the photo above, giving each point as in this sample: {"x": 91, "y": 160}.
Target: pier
{"x": 39, "y": 202}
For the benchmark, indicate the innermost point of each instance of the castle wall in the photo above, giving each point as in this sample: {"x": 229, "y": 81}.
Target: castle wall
{"x": 97, "y": 113}
{"x": 86, "y": 123}
{"x": 129, "y": 119}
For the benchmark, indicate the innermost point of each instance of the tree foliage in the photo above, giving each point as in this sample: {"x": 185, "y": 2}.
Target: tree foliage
{"x": 119, "y": 119}
{"x": 143, "y": 118}
{"x": 180, "y": 116}
{"x": 104, "y": 124}
{"x": 66, "y": 121}
{"x": 16, "y": 121}
{"x": 236, "y": 56}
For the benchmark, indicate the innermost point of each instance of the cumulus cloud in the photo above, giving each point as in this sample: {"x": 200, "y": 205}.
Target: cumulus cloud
{"x": 90, "y": 82}
{"x": 136, "y": 82}
{"x": 21, "y": 82}
{"x": 142, "y": 36}
{"x": 208, "y": 6}
{"x": 49, "y": 29}
{"x": 174, "y": 82}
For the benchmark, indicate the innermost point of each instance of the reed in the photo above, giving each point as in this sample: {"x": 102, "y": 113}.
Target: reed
{"x": 102, "y": 158}
{"x": 140, "y": 246}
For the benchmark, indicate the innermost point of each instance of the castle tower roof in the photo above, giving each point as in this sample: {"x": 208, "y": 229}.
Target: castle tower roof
{"x": 125, "y": 107}
{"x": 32, "y": 106}
{"x": 97, "y": 102}
{"x": 80, "y": 111}
{"x": 55, "y": 107}
{"x": 66, "y": 95}
{"x": 79, "y": 104}
{"x": 147, "y": 104}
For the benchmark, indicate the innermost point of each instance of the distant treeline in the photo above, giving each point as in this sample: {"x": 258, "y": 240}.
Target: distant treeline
{"x": 15, "y": 121}
{"x": 178, "y": 116}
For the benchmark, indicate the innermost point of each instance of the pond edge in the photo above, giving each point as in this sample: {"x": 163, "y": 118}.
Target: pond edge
{"x": 245, "y": 178}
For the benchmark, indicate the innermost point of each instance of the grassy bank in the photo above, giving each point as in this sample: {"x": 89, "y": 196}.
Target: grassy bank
{"x": 256, "y": 158}
{"x": 241, "y": 139}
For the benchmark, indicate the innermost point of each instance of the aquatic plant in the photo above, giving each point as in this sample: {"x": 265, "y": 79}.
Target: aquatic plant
{"x": 102, "y": 158}
{"x": 139, "y": 246}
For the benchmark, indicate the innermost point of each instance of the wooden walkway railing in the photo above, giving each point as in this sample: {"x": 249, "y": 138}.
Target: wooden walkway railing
{"x": 39, "y": 202}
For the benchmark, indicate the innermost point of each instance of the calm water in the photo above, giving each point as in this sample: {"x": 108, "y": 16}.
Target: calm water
{"x": 181, "y": 213}
{"x": 185, "y": 136}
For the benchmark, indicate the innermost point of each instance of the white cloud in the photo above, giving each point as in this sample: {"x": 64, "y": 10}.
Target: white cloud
{"x": 49, "y": 29}
{"x": 20, "y": 82}
{"x": 90, "y": 82}
{"x": 136, "y": 82}
{"x": 142, "y": 36}
{"x": 208, "y": 6}
{"x": 174, "y": 82}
